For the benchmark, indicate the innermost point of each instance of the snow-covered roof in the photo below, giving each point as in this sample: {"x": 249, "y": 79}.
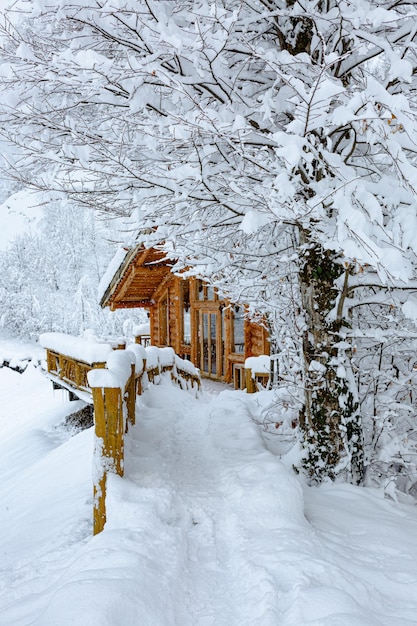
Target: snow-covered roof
{"x": 114, "y": 267}
{"x": 133, "y": 277}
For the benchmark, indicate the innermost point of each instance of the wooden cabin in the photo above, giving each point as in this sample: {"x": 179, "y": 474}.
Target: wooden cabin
{"x": 186, "y": 314}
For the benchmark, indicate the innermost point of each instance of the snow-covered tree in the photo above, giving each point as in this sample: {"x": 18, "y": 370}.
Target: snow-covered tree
{"x": 269, "y": 145}
{"x": 49, "y": 277}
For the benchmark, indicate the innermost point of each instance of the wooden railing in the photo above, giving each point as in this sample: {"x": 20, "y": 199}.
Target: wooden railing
{"x": 112, "y": 386}
{"x": 69, "y": 359}
{"x": 254, "y": 374}
{"x": 69, "y": 370}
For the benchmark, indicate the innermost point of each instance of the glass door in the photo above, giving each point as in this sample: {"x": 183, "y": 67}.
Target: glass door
{"x": 210, "y": 343}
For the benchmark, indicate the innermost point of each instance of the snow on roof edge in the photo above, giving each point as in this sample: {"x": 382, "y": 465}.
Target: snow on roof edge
{"x": 115, "y": 267}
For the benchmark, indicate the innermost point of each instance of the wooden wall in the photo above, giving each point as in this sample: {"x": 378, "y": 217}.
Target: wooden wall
{"x": 256, "y": 340}
{"x": 169, "y": 292}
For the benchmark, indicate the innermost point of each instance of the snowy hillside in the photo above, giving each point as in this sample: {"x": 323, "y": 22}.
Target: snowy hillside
{"x": 207, "y": 528}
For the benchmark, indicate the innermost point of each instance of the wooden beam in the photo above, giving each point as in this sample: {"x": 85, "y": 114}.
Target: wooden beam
{"x": 132, "y": 304}
{"x": 162, "y": 285}
{"x": 125, "y": 283}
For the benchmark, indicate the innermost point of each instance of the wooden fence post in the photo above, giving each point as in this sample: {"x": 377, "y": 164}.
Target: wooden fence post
{"x": 130, "y": 395}
{"x": 250, "y": 382}
{"x": 109, "y": 453}
{"x": 99, "y": 478}
{"x": 114, "y": 397}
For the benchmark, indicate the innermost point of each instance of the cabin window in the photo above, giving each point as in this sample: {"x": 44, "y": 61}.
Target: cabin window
{"x": 200, "y": 290}
{"x": 238, "y": 336}
{"x": 186, "y": 313}
{"x": 206, "y": 293}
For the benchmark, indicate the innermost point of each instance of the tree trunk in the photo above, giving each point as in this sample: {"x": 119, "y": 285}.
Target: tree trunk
{"x": 330, "y": 420}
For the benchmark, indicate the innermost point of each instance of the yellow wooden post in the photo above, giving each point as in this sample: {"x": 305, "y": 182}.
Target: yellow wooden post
{"x": 78, "y": 374}
{"x": 61, "y": 365}
{"x": 139, "y": 383}
{"x": 109, "y": 430}
{"x": 131, "y": 397}
{"x": 115, "y": 429}
{"x": 250, "y": 382}
{"x": 99, "y": 514}
{"x": 50, "y": 361}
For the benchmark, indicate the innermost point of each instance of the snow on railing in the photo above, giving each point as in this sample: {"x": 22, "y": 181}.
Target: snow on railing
{"x": 69, "y": 359}
{"x": 88, "y": 350}
{"x": 111, "y": 379}
{"x": 114, "y": 389}
{"x": 257, "y": 372}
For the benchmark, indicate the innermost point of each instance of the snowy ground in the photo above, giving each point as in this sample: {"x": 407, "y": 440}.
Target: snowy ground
{"x": 208, "y": 528}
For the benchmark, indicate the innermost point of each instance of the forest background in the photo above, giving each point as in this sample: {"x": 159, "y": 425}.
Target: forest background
{"x": 52, "y": 258}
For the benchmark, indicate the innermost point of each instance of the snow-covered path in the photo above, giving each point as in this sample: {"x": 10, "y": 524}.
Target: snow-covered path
{"x": 222, "y": 507}
{"x": 207, "y": 528}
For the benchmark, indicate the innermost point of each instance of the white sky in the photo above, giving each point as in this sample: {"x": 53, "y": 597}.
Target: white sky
{"x": 5, "y": 4}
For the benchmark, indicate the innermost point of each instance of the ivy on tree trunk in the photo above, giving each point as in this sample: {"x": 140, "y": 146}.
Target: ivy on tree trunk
{"x": 330, "y": 420}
